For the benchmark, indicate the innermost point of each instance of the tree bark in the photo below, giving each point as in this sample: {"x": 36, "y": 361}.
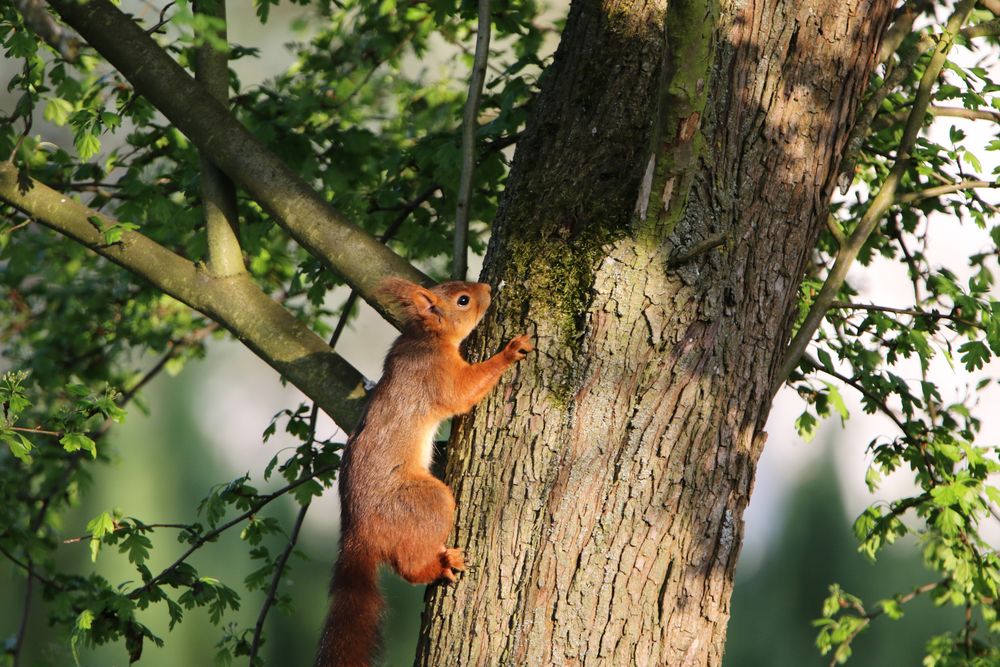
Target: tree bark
{"x": 662, "y": 207}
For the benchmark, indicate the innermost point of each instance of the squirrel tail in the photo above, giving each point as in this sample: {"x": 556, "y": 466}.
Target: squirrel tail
{"x": 351, "y": 634}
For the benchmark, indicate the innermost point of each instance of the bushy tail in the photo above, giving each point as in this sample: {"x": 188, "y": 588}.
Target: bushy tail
{"x": 351, "y": 634}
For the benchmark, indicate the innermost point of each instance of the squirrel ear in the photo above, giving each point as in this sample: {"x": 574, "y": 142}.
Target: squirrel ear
{"x": 418, "y": 303}
{"x": 425, "y": 306}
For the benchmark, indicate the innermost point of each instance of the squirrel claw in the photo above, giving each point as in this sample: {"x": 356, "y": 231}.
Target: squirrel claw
{"x": 451, "y": 560}
{"x": 519, "y": 347}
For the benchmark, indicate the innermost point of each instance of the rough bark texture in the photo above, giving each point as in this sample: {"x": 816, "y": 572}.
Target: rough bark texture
{"x": 601, "y": 491}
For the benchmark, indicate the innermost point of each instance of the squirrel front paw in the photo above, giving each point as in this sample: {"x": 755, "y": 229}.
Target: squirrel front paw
{"x": 519, "y": 347}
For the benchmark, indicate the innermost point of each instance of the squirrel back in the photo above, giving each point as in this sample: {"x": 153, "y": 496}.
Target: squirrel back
{"x": 393, "y": 510}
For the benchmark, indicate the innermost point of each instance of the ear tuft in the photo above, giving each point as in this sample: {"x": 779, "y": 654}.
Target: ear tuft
{"x": 416, "y": 303}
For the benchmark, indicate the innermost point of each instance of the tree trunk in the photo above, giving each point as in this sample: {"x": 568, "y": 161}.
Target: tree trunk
{"x": 662, "y": 207}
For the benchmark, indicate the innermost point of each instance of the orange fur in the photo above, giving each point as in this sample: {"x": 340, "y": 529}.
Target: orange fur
{"x": 393, "y": 510}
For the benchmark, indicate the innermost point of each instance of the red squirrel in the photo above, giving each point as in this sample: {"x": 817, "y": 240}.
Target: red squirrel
{"x": 393, "y": 510}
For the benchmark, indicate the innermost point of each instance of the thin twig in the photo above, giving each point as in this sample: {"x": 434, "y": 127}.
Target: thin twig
{"x": 878, "y": 402}
{"x": 698, "y": 248}
{"x": 933, "y": 314}
{"x": 22, "y": 628}
{"x": 162, "y": 20}
{"x": 462, "y": 208}
{"x": 212, "y": 534}
{"x": 39, "y": 431}
{"x": 31, "y": 572}
{"x": 173, "y": 348}
{"x": 901, "y": 27}
{"x": 123, "y": 525}
{"x": 28, "y": 117}
{"x": 836, "y": 230}
{"x": 869, "y": 617}
{"x": 911, "y": 262}
{"x": 880, "y": 203}
{"x": 937, "y": 191}
{"x": 272, "y": 591}
{"x": 870, "y": 109}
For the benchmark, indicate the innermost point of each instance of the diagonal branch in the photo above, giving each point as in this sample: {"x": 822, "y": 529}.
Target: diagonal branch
{"x": 309, "y": 219}
{"x": 264, "y": 326}
{"x": 880, "y": 203}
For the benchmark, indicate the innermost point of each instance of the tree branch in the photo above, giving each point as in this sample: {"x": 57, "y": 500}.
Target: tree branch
{"x": 262, "y": 501}
{"x": 886, "y": 120}
{"x": 933, "y": 314}
{"x": 478, "y": 76}
{"x": 264, "y": 326}
{"x": 211, "y": 69}
{"x": 901, "y": 27}
{"x": 22, "y": 628}
{"x": 881, "y": 202}
{"x": 318, "y": 227}
{"x": 35, "y": 17}
{"x": 937, "y": 191}
{"x": 870, "y": 108}
{"x": 272, "y": 591}
{"x": 30, "y": 571}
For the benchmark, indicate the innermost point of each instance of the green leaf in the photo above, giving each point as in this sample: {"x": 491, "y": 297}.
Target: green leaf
{"x": 806, "y": 426}
{"x": 892, "y": 609}
{"x": 113, "y": 233}
{"x": 81, "y": 630}
{"x": 98, "y": 527}
{"x": 73, "y": 442}
{"x": 87, "y": 145}
{"x": 137, "y": 546}
{"x": 307, "y": 491}
{"x": 949, "y": 522}
{"x": 57, "y": 111}
{"x": 975, "y": 354}
{"x": 19, "y": 445}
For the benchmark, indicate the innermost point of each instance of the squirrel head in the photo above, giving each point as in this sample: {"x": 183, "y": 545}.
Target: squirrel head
{"x": 450, "y": 310}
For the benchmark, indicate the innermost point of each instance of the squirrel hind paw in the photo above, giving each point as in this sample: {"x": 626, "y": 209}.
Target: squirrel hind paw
{"x": 452, "y": 560}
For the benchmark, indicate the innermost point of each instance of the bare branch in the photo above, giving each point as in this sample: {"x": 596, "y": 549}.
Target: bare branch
{"x": 30, "y": 571}
{"x": 172, "y": 350}
{"x": 932, "y": 314}
{"x": 22, "y": 628}
{"x": 320, "y": 229}
{"x": 885, "y": 120}
{"x": 272, "y": 591}
{"x": 971, "y": 114}
{"x": 211, "y": 69}
{"x": 937, "y": 191}
{"x": 901, "y": 27}
{"x": 881, "y": 202}
{"x": 870, "y": 108}
{"x": 985, "y": 29}
{"x": 478, "y": 76}
{"x": 836, "y": 230}
{"x": 286, "y": 344}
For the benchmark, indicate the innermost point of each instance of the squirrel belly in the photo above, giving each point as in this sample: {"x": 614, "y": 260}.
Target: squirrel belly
{"x": 393, "y": 510}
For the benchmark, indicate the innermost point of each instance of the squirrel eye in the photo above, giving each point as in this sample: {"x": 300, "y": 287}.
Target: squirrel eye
{"x": 463, "y": 300}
